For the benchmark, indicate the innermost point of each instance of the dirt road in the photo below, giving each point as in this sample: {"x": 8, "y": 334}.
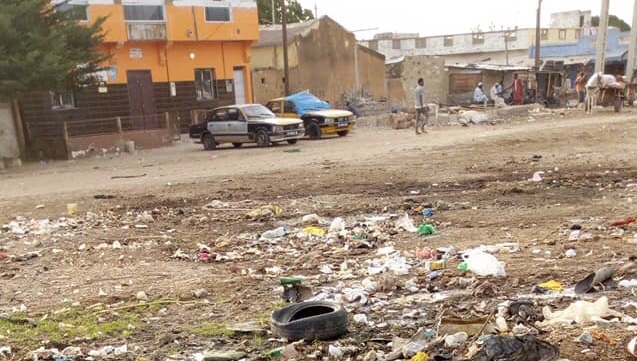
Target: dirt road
{"x": 146, "y": 236}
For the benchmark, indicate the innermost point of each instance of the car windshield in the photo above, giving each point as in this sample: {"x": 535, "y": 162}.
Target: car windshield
{"x": 257, "y": 111}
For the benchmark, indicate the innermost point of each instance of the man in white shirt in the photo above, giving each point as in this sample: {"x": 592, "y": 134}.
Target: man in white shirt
{"x": 421, "y": 108}
{"x": 479, "y": 96}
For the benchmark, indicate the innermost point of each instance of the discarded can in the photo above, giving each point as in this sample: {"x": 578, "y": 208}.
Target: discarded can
{"x": 433, "y": 275}
{"x": 71, "y": 208}
{"x": 436, "y": 265}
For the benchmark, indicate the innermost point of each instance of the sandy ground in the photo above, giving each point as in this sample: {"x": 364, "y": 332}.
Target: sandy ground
{"x": 477, "y": 179}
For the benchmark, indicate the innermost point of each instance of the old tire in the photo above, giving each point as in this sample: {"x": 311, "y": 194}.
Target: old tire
{"x": 237, "y": 145}
{"x": 262, "y": 138}
{"x": 314, "y": 131}
{"x": 342, "y": 133}
{"x": 310, "y": 321}
{"x": 292, "y": 141}
{"x": 208, "y": 142}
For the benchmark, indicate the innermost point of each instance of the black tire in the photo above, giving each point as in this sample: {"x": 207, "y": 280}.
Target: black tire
{"x": 262, "y": 138}
{"x": 342, "y": 133}
{"x": 274, "y": 144}
{"x": 313, "y": 130}
{"x": 292, "y": 141}
{"x": 237, "y": 145}
{"x": 208, "y": 142}
{"x": 310, "y": 321}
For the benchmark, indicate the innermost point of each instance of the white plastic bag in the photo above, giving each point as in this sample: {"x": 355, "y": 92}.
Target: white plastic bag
{"x": 407, "y": 224}
{"x": 483, "y": 264}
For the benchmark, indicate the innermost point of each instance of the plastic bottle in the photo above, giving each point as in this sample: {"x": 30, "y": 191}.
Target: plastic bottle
{"x": 483, "y": 264}
{"x": 275, "y": 233}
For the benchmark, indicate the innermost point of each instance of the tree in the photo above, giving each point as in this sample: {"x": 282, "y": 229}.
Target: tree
{"x": 613, "y": 21}
{"x": 45, "y": 49}
{"x": 294, "y": 11}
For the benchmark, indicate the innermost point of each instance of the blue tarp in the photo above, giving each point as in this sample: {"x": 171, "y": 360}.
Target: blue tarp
{"x": 305, "y": 101}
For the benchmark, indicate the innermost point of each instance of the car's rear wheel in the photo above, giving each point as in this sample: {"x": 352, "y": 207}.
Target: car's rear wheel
{"x": 237, "y": 145}
{"x": 262, "y": 138}
{"x": 342, "y": 133}
{"x": 314, "y": 131}
{"x": 209, "y": 142}
{"x": 292, "y": 141}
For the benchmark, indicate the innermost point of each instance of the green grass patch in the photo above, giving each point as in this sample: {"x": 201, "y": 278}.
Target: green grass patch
{"x": 68, "y": 325}
{"x": 211, "y": 329}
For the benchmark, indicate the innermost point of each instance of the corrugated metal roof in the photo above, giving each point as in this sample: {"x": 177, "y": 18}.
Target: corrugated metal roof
{"x": 493, "y": 67}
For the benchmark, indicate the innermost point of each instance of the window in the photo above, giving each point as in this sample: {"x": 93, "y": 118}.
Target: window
{"x": 205, "y": 83}
{"x": 477, "y": 38}
{"x": 217, "y": 13}
{"x": 143, "y": 13}
{"x": 275, "y": 107}
{"x": 62, "y": 100}
{"x": 395, "y": 44}
{"x": 544, "y": 34}
{"x": 562, "y": 34}
{"x": 289, "y": 107}
{"x": 73, "y": 11}
{"x": 578, "y": 33}
{"x": 421, "y": 43}
{"x": 448, "y": 41}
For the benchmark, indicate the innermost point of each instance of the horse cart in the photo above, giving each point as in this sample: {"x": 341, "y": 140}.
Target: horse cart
{"x": 606, "y": 97}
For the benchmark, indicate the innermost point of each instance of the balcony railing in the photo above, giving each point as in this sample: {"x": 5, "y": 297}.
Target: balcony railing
{"x": 146, "y": 31}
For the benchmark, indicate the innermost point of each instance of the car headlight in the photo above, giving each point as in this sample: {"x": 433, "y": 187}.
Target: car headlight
{"x": 277, "y": 129}
{"x": 329, "y": 121}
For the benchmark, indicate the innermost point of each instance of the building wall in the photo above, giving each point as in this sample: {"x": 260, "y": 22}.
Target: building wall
{"x": 571, "y": 19}
{"x": 408, "y": 71}
{"x": 9, "y": 148}
{"x": 321, "y": 62}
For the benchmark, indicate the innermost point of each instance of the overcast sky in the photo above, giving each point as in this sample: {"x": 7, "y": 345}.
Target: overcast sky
{"x": 440, "y": 17}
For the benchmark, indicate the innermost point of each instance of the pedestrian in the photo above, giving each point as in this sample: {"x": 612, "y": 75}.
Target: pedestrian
{"x": 518, "y": 90}
{"x": 580, "y": 82}
{"x": 421, "y": 108}
{"x": 479, "y": 96}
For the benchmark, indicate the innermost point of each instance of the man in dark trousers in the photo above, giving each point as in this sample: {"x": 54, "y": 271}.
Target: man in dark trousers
{"x": 421, "y": 108}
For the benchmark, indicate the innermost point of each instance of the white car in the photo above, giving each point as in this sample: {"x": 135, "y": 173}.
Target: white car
{"x": 249, "y": 123}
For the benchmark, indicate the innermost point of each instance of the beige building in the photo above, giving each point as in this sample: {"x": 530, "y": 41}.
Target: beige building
{"x": 323, "y": 58}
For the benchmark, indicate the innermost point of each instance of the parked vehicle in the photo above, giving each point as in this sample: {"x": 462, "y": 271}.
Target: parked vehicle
{"x": 318, "y": 118}
{"x": 248, "y": 123}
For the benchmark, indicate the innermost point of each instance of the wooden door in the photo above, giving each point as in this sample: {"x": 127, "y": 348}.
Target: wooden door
{"x": 142, "y": 99}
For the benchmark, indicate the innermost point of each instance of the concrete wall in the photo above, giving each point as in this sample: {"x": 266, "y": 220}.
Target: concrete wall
{"x": 407, "y": 72}
{"x": 461, "y": 44}
{"x": 78, "y": 147}
{"x": 323, "y": 63}
{"x": 571, "y": 19}
{"x": 9, "y": 149}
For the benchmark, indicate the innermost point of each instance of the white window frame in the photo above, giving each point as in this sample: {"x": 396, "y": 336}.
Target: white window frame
{"x": 149, "y": 3}
{"x": 218, "y": 6}
{"x": 561, "y": 34}
{"x": 58, "y": 102}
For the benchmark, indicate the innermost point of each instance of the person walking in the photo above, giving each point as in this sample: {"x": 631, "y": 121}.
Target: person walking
{"x": 421, "y": 108}
{"x": 580, "y": 82}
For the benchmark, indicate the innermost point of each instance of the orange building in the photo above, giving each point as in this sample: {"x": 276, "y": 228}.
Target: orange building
{"x": 167, "y": 56}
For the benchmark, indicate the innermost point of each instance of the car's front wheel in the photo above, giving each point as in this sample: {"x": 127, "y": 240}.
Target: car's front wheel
{"x": 262, "y": 138}
{"x": 237, "y": 145}
{"x": 209, "y": 142}
{"x": 292, "y": 141}
{"x": 314, "y": 131}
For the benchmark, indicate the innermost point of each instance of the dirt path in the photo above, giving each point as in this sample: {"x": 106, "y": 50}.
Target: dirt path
{"x": 90, "y": 268}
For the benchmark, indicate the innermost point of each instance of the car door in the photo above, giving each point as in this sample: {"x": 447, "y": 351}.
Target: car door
{"x": 289, "y": 110}
{"x": 217, "y": 125}
{"x": 237, "y": 126}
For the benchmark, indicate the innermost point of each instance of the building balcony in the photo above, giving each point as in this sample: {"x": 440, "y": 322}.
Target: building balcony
{"x": 146, "y": 31}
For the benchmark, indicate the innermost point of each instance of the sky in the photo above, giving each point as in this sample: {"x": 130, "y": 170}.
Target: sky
{"x": 441, "y": 17}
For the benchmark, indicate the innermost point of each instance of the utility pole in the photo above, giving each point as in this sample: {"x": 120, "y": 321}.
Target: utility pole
{"x": 286, "y": 70}
{"x": 273, "y": 13}
{"x": 506, "y": 46}
{"x": 632, "y": 47}
{"x": 537, "y": 35}
{"x": 602, "y": 31}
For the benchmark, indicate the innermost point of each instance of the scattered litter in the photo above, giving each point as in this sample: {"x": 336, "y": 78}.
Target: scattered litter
{"x": 570, "y": 253}
{"x": 405, "y": 223}
{"x": 314, "y": 231}
{"x": 580, "y": 312}
{"x": 482, "y": 264}
{"x": 128, "y": 176}
{"x": 537, "y": 176}
{"x": 426, "y": 230}
{"x": 552, "y": 285}
{"x": 263, "y": 212}
{"x": 524, "y": 348}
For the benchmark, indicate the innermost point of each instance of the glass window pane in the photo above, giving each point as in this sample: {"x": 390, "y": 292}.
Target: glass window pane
{"x": 217, "y": 14}
{"x": 143, "y": 12}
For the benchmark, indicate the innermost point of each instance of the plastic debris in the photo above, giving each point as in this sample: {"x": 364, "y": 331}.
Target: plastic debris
{"x": 420, "y": 356}
{"x": 537, "y": 176}
{"x": 426, "y": 230}
{"x": 266, "y": 211}
{"x": 314, "y": 231}
{"x": 632, "y": 346}
{"x": 405, "y": 223}
{"x": 274, "y": 233}
{"x": 580, "y": 312}
{"x": 524, "y": 348}
{"x": 483, "y": 264}
{"x": 338, "y": 225}
{"x": 552, "y": 285}
{"x": 570, "y": 253}
{"x": 456, "y": 340}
